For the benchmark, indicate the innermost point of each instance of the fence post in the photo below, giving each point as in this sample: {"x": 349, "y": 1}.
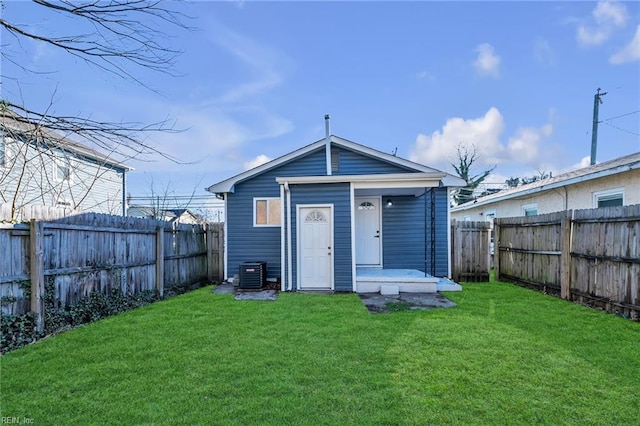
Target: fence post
{"x": 210, "y": 253}
{"x": 37, "y": 272}
{"x": 565, "y": 255}
{"x": 454, "y": 269}
{"x": 220, "y": 248}
{"x": 496, "y": 249}
{"x": 160, "y": 260}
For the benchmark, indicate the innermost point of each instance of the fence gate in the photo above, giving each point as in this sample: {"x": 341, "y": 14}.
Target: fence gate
{"x": 470, "y": 251}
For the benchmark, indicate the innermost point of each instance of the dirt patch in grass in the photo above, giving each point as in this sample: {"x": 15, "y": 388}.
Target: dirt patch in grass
{"x": 377, "y": 303}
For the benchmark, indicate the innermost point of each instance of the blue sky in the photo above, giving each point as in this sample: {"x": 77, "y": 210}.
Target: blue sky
{"x": 516, "y": 79}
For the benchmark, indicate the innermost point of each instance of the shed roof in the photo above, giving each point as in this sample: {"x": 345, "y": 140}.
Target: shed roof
{"x": 227, "y": 185}
{"x": 606, "y": 168}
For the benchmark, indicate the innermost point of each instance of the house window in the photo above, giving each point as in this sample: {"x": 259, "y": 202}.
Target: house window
{"x": 62, "y": 169}
{"x": 3, "y": 148}
{"x": 366, "y": 206}
{"x": 530, "y": 210}
{"x": 315, "y": 216}
{"x": 3, "y": 152}
{"x": 335, "y": 161}
{"x": 490, "y": 216}
{"x": 608, "y": 198}
{"x": 266, "y": 212}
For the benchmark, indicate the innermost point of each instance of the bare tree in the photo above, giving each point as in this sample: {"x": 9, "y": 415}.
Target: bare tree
{"x": 163, "y": 203}
{"x": 466, "y": 157}
{"x": 40, "y": 167}
{"x": 119, "y": 37}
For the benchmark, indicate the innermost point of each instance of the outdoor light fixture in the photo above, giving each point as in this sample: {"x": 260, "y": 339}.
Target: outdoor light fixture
{"x": 389, "y": 202}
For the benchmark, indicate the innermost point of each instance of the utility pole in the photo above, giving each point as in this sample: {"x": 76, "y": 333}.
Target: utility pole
{"x": 597, "y": 100}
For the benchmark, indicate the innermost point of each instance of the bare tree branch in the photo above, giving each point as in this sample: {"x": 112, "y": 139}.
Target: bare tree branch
{"x": 122, "y": 33}
{"x": 467, "y": 157}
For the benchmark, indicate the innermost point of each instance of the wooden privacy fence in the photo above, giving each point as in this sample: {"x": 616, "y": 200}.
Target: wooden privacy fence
{"x": 470, "y": 251}
{"x": 590, "y": 256}
{"x": 77, "y": 255}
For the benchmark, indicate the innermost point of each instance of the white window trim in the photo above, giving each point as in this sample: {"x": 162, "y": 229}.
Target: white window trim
{"x": 57, "y": 161}
{"x": 606, "y": 193}
{"x": 4, "y": 158}
{"x": 490, "y": 215}
{"x": 266, "y": 225}
{"x": 531, "y": 206}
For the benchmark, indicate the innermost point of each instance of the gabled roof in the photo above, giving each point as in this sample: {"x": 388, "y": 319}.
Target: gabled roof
{"x": 228, "y": 184}
{"x": 607, "y": 168}
{"x": 12, "y": 125}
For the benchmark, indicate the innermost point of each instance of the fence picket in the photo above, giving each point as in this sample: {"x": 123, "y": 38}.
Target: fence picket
{"x": 590, "y": 256}
{"x": 95, "y": 252}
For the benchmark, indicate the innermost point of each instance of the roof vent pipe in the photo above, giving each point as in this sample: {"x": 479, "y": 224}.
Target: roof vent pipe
{"x": 327, "y": 141}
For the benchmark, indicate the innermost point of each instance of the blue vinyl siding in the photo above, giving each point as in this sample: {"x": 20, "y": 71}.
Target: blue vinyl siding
{"x": 406, "y": 233}
{"x": 352, "y": 163}
{"x": 248, "y": 243}
{"x": 403, "y": 225}
{"x": 339, "y": 196}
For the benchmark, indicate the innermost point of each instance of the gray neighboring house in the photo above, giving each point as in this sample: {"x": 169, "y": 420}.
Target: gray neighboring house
{"x": 610, "y": 183}
{"x": 39, "y": 167}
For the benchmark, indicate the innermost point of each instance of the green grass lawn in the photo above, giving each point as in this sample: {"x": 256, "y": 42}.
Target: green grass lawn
{"x": 505, "y": 355}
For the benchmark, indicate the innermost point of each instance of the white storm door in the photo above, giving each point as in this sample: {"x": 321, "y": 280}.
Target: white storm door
{"x": 316, "y": 247}
{"x": 368, "y": 240}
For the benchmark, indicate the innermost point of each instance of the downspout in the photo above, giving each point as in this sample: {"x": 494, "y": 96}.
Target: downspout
{"x": 283, "y": 262}
{"x": 124, "y": 192}
{"x": 289, "y": 255}
{"x": 226, "y": 233}
{"x": 448, "y": 232}
{"x": 327, "y": 143}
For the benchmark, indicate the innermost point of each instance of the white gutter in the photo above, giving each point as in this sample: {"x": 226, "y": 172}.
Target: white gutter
{"x": 327, "y": 143}
{"x": 124, "y": 193}
{"x": 379, "y": 180}
{"x": 289, "y": 255}
{"x": 283, "y": 264}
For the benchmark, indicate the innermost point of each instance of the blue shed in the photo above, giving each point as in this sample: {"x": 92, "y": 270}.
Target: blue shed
{"x": 339, "y": 216}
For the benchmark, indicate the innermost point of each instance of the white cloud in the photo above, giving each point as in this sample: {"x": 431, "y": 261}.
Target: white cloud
{"x": 440, "y": 148}
{"x": 542, "y": 52}
{"x": 263, "y": 63}
{"x": 629, "y": 53}
{"x": 589, "y": 37}
{"x": 608, "y": 17}
{"x": 487, "y": 62}
{"x": 257, "y": 161}
{"x": 425, "y": 75}
{"x": 613, "y": 13}
{"x": 523, "y": 147}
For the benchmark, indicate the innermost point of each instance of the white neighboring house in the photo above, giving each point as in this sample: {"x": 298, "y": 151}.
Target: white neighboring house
{"x": 169, "y": 215}
{"x": 39, "y": 167}
{"x": 610, "y": 183}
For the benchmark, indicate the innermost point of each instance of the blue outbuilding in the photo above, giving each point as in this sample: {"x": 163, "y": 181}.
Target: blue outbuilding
{"x": 339, "y": 216}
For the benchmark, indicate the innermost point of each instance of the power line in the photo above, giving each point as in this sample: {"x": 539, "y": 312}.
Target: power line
{"x": 622, "y": 115}
{"x": 619, "y": 128}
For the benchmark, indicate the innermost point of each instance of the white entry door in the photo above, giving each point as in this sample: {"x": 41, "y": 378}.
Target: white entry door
{"x": 368, "y": 239}
{"x": 316, "y": 247}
